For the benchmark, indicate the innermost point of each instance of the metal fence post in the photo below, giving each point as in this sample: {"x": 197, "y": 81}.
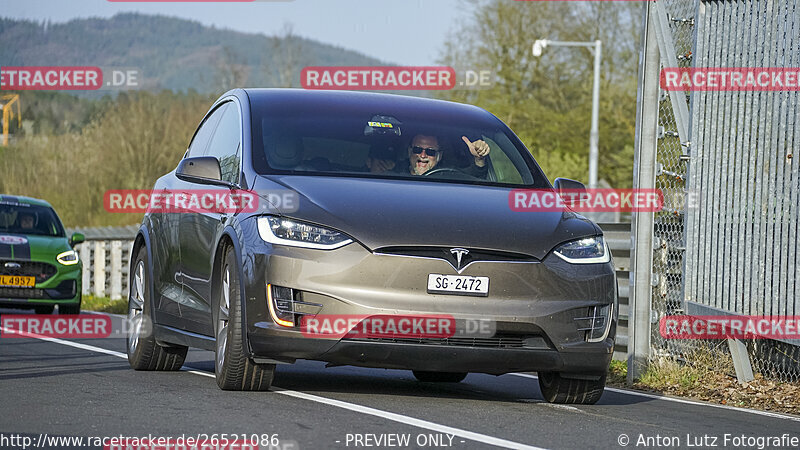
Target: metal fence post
{"x": 644, "y": 170}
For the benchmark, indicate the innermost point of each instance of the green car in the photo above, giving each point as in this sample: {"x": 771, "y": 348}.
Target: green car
{"x": 38, "y": 266}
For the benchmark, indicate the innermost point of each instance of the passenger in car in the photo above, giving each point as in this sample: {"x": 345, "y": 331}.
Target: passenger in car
{"x": 425, "y": 153}
{"x": 381, "y": 158}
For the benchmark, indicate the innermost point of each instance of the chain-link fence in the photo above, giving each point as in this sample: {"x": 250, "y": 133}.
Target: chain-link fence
{"x": 725, "y": 242}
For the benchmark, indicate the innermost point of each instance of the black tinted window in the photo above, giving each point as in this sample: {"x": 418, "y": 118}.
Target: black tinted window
{"x": 22, "y": 218}
{"x": 203, "y": 135}
{"x": 377, "y": 144}
{"x": 225, "y": 145}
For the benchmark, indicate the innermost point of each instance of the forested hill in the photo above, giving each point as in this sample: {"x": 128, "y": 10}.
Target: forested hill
{"x": 170, "y": 53}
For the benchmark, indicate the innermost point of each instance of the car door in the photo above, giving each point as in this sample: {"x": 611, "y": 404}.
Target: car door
{"x": 166, "y": 240}
{"x": 200, "y": 231}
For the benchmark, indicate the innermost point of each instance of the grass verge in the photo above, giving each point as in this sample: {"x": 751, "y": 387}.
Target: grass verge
{"x": 709, "y": 376}
{"x": 104, "y": 304}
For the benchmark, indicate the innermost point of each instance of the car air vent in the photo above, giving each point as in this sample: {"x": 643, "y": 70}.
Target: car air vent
{"x": 488, "y": 342}
{"x": 6, "y": 292}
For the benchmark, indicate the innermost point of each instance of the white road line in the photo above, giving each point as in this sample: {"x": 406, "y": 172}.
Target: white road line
{"x": 524, "y": 375}
{"x": 121, "y": 316}
{"x": 395, "y": 417}
{"x": 337, "y": 403}
{"x": 90, "y": 348}
{"x": 688, "y": 402}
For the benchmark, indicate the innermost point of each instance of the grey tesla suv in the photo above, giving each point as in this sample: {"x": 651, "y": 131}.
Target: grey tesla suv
{"x": 382, "y": 236}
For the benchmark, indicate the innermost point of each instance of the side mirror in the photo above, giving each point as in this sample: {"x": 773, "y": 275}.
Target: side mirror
{"x": 200, "y": 169}
{"x": 565, "y": 184}
{"x": 76, "y": 239}
{"x": 568, "y": 190}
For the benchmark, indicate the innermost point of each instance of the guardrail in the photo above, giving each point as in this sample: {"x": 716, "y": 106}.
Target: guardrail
{"x": 113, "y": 247}
{"x": 618, "y": 237}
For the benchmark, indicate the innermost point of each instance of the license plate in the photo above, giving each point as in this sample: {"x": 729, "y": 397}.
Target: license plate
{"x": 458, "y": 284}
{"x": 16, "y": 281}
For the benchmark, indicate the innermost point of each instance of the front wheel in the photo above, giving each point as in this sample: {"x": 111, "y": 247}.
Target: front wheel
{"x": 557, "y": 389}
{"x": 235, "y": 371}
{"x": 144, "y": 353}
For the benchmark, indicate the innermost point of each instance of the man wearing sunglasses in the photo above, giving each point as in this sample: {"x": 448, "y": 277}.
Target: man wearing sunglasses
{"x": 424, "y": 154}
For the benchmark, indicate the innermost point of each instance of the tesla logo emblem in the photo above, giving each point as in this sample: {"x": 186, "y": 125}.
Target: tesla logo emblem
{"x": 12, "y": 265}
{"x": 459, "y": 253}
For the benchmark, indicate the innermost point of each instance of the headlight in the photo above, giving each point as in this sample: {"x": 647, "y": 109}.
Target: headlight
{"x": 277, "y": 230}
{"x": 68, "y": 258}
{"x": 584, "y": 251}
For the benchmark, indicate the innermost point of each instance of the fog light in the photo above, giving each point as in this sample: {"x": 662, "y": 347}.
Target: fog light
{"x": 597, "y": 323}
{"x": 279, "y": 301}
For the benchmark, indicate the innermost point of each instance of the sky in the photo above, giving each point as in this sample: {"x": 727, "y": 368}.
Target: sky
{"x": 415, "y": 31}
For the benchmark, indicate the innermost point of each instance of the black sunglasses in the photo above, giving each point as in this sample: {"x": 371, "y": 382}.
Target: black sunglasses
{"x": 428, "y": 151}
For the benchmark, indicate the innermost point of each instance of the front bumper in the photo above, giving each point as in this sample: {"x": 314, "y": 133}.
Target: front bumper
{"x": 62, "y": 288}
{"x": 533, "y": 306}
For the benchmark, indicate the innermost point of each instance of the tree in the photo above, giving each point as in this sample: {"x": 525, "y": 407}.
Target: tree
{"x": 286, "y": 50}
{"x": 547, "y": 100}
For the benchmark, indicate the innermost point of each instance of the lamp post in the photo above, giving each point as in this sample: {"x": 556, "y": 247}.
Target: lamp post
{"x": 596, "y": 47}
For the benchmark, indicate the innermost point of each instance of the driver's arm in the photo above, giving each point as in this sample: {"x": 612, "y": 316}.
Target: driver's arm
{"x": 479, "y": 149}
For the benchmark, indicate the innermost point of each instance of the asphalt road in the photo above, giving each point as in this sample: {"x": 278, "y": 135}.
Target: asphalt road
{"x": 50, "y": 389}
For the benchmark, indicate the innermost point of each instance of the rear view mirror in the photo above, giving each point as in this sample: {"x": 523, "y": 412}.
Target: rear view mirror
{"x": 200, "y": 169}
{"x": 76, "y": 239}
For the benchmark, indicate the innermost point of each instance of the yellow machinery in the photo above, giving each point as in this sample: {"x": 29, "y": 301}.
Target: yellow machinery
{"x": 7, "y": 103}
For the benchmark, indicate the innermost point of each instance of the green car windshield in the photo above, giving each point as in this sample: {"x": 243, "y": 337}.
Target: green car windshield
{"x": 23, "y": 218}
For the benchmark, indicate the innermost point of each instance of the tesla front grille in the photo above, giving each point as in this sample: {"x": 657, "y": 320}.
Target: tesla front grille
{"x": 42, "y": 271}
{"x": 445, "y": 253}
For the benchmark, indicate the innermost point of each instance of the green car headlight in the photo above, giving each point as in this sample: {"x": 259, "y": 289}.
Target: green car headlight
{"x": 584, "y": 251}
{"x": 68, "y": 258}
{"x": 281, "y": 231}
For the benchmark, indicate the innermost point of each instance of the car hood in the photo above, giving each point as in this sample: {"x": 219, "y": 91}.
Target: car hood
{"x": 31, "y": 246}
{"x": 386, "y": 213}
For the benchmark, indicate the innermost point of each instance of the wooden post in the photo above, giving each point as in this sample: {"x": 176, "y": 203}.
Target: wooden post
{"x": 116, "y": 270}
{"x": 99, "y": 262}
{"x": 85, "y": 254}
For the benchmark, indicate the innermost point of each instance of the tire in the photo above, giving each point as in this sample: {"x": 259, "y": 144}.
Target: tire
{"x": 44, "y": 309}
{"x": 557, "y": 389}
{"x": 234, "y": 370}
{"x": 69, "y": 309}
{"x": 439, "y": 377}
{"x": 144, "y": 353}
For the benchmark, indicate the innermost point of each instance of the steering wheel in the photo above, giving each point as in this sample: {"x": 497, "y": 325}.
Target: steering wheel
{"x": 442, "y": 170}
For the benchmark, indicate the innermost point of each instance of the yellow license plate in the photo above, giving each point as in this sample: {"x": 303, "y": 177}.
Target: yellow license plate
{"x": 16, "y": 281}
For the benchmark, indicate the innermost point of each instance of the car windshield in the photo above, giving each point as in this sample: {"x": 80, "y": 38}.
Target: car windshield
{"x": 385, "y": 146}
{"x": 22, "y": 218}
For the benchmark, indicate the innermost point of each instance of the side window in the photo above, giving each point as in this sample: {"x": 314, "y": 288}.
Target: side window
{"x": 225, "y": 145}
{"x": 504, "y": 168}
{"x": 203, "y": 135}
